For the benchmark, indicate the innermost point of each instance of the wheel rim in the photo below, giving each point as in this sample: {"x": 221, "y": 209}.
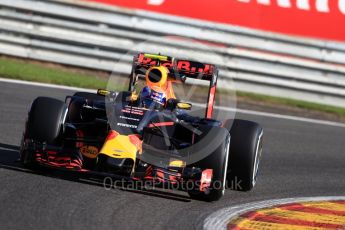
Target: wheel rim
{"x": 227, "y": 146}
{"x": 258, "y": 153}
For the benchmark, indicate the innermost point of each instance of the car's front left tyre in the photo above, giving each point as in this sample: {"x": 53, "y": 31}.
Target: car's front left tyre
{"x": 245, "y": 154}
{"x": 218, "y": 162}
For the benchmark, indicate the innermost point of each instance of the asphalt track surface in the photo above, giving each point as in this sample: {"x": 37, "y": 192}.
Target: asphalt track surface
{"x": 300, "y": 159}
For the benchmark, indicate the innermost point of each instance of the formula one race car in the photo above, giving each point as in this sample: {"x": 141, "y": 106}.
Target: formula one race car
{"x": 146, "y": 133}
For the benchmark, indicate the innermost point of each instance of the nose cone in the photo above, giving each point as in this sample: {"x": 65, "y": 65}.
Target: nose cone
{"x": 121, "y": 146}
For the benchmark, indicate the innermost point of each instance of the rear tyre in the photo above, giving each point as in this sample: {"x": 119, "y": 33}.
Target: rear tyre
{"x": 75, "y": 108}
{"x": 89, "y": 96}
{"x": 218, "y": 162}
{"x": 123, "y": 97}
{"x": 44, "y": 124}
{"x": 245, "y": 154}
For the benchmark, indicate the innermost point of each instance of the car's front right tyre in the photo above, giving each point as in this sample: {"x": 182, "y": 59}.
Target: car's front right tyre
{"x": 44, "y": 124}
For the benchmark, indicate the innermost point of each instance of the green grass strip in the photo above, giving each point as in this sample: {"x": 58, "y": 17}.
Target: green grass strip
{"x": 293, "y": 103}
{"x": 18, "y": 69}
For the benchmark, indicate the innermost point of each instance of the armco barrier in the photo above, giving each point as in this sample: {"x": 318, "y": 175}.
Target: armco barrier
{"x": 92, "y": 36}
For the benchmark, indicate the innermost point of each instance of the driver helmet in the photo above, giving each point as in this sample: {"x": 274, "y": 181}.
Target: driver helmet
{"x": 158, "y": 88}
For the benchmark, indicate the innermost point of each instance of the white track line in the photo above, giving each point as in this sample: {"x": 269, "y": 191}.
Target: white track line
{"x": 221, "y": 218}
{"x": 46, "y": 85}
{"x": 276, "y": 115}
{"x": 286, "y": 117}
{"x": 243, "y": 111}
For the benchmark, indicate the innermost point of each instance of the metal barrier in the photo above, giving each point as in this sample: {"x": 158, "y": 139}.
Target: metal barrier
{"x": 87, "y": 35}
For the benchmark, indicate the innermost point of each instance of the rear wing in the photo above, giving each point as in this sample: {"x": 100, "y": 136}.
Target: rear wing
{"x": 178, "y": 68}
